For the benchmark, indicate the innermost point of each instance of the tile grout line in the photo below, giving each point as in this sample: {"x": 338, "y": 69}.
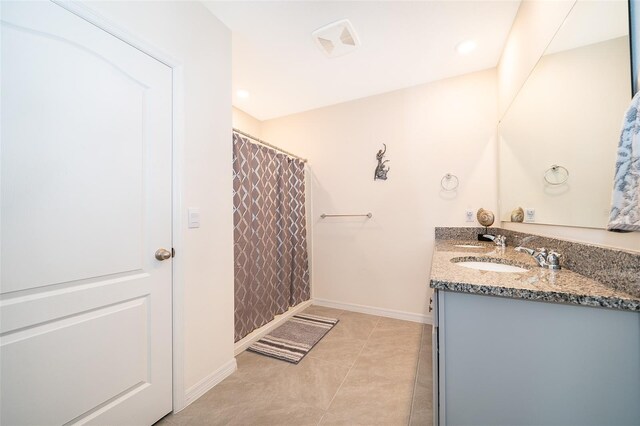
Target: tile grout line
{"x": 350, "y": 368}
{"x": 415, "y": 382}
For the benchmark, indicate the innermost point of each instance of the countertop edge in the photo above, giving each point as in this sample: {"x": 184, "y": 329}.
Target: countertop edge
{"x": 537, "y": 295}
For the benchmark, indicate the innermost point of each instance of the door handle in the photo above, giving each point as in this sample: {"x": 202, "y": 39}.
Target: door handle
{"x": 163, "y": 254}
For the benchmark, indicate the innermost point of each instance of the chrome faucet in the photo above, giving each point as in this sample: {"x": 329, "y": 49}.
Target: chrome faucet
{"x": 499, "y": 240}
{"x": 539, "y": 255}
{"x": 543, "y": 257}
{"x": 553, "y": 260}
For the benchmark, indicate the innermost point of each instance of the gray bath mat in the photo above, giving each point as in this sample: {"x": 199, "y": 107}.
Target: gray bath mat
{"x": 294, "y": 339}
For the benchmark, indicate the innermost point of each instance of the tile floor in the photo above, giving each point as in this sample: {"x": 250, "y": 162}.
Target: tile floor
{"x": 367, "y": 370}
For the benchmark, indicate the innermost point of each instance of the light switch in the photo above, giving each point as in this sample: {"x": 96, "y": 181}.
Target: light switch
{"x": 194, "y": 218}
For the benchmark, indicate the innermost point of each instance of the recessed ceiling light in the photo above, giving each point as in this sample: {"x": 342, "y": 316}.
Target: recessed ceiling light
{"x": 466, "y": 47}
{"x": 243, "y": 94}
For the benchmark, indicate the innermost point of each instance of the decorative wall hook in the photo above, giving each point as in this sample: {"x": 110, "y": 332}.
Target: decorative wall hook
{"x": 381, "y": 171}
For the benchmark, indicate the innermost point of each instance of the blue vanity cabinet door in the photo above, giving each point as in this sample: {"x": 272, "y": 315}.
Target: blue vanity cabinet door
{"x": 518, "y": 362}
{"x": 434, "y": 353}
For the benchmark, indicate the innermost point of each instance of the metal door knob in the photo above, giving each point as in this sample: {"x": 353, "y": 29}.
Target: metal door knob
{"x": 163, "y": 254}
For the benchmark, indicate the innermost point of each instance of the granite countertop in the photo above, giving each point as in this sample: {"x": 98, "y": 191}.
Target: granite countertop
{"x": 542, "y": 284}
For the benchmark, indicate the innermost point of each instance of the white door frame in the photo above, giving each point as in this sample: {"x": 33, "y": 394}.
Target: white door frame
{"x": 177, "y": 102}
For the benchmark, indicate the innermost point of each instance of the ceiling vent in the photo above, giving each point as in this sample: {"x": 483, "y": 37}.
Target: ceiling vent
{"x": 336, "y": 39}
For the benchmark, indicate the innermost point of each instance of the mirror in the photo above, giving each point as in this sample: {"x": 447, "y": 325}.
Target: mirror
{"x": 558, "y": 138}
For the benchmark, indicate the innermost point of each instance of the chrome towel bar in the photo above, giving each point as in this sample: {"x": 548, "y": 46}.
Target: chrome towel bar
{"x": 323, "y": 215}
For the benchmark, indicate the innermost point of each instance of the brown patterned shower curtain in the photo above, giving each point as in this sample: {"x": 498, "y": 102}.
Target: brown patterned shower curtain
{"x": 270, "y": 250}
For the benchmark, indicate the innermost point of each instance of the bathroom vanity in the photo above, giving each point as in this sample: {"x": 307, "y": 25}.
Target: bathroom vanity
{"x": 538, "y": 346}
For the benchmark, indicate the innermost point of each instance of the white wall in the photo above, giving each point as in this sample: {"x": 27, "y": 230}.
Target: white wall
{"x": 246, "y": 123}
{"x": 190, "y": 34}
{"x": 535, "y": 25}
{"x": 430, "y": 130}
{"x": 533, "y": 29}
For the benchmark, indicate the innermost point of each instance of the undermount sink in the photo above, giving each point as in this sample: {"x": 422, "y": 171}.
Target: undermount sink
{"x": 490, "y": 266}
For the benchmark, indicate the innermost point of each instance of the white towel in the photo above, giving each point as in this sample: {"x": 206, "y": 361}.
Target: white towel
{"x": 625, "y": 202}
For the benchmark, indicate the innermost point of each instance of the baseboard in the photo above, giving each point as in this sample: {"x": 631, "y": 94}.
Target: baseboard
{"x": 371, "y": 310}
{"x": 204, "y": 385}
{"x": 259, "y": 333}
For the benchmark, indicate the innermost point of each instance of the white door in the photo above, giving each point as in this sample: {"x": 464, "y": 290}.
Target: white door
{"x": 85, "y": 307}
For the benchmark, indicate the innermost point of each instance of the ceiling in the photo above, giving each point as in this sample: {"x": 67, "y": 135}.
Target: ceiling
{"x": 404, "y": 44}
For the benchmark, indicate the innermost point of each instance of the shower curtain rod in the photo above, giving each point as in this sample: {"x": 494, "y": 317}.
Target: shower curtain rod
{"x": 260, "y": 141}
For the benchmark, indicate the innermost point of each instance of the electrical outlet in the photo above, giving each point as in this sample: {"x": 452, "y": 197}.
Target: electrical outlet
{"x": 469, "y": 215}
{"x": 529, "y": 214}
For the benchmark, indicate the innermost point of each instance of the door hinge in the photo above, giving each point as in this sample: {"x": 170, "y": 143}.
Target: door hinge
{"x": 173, "y": 252}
